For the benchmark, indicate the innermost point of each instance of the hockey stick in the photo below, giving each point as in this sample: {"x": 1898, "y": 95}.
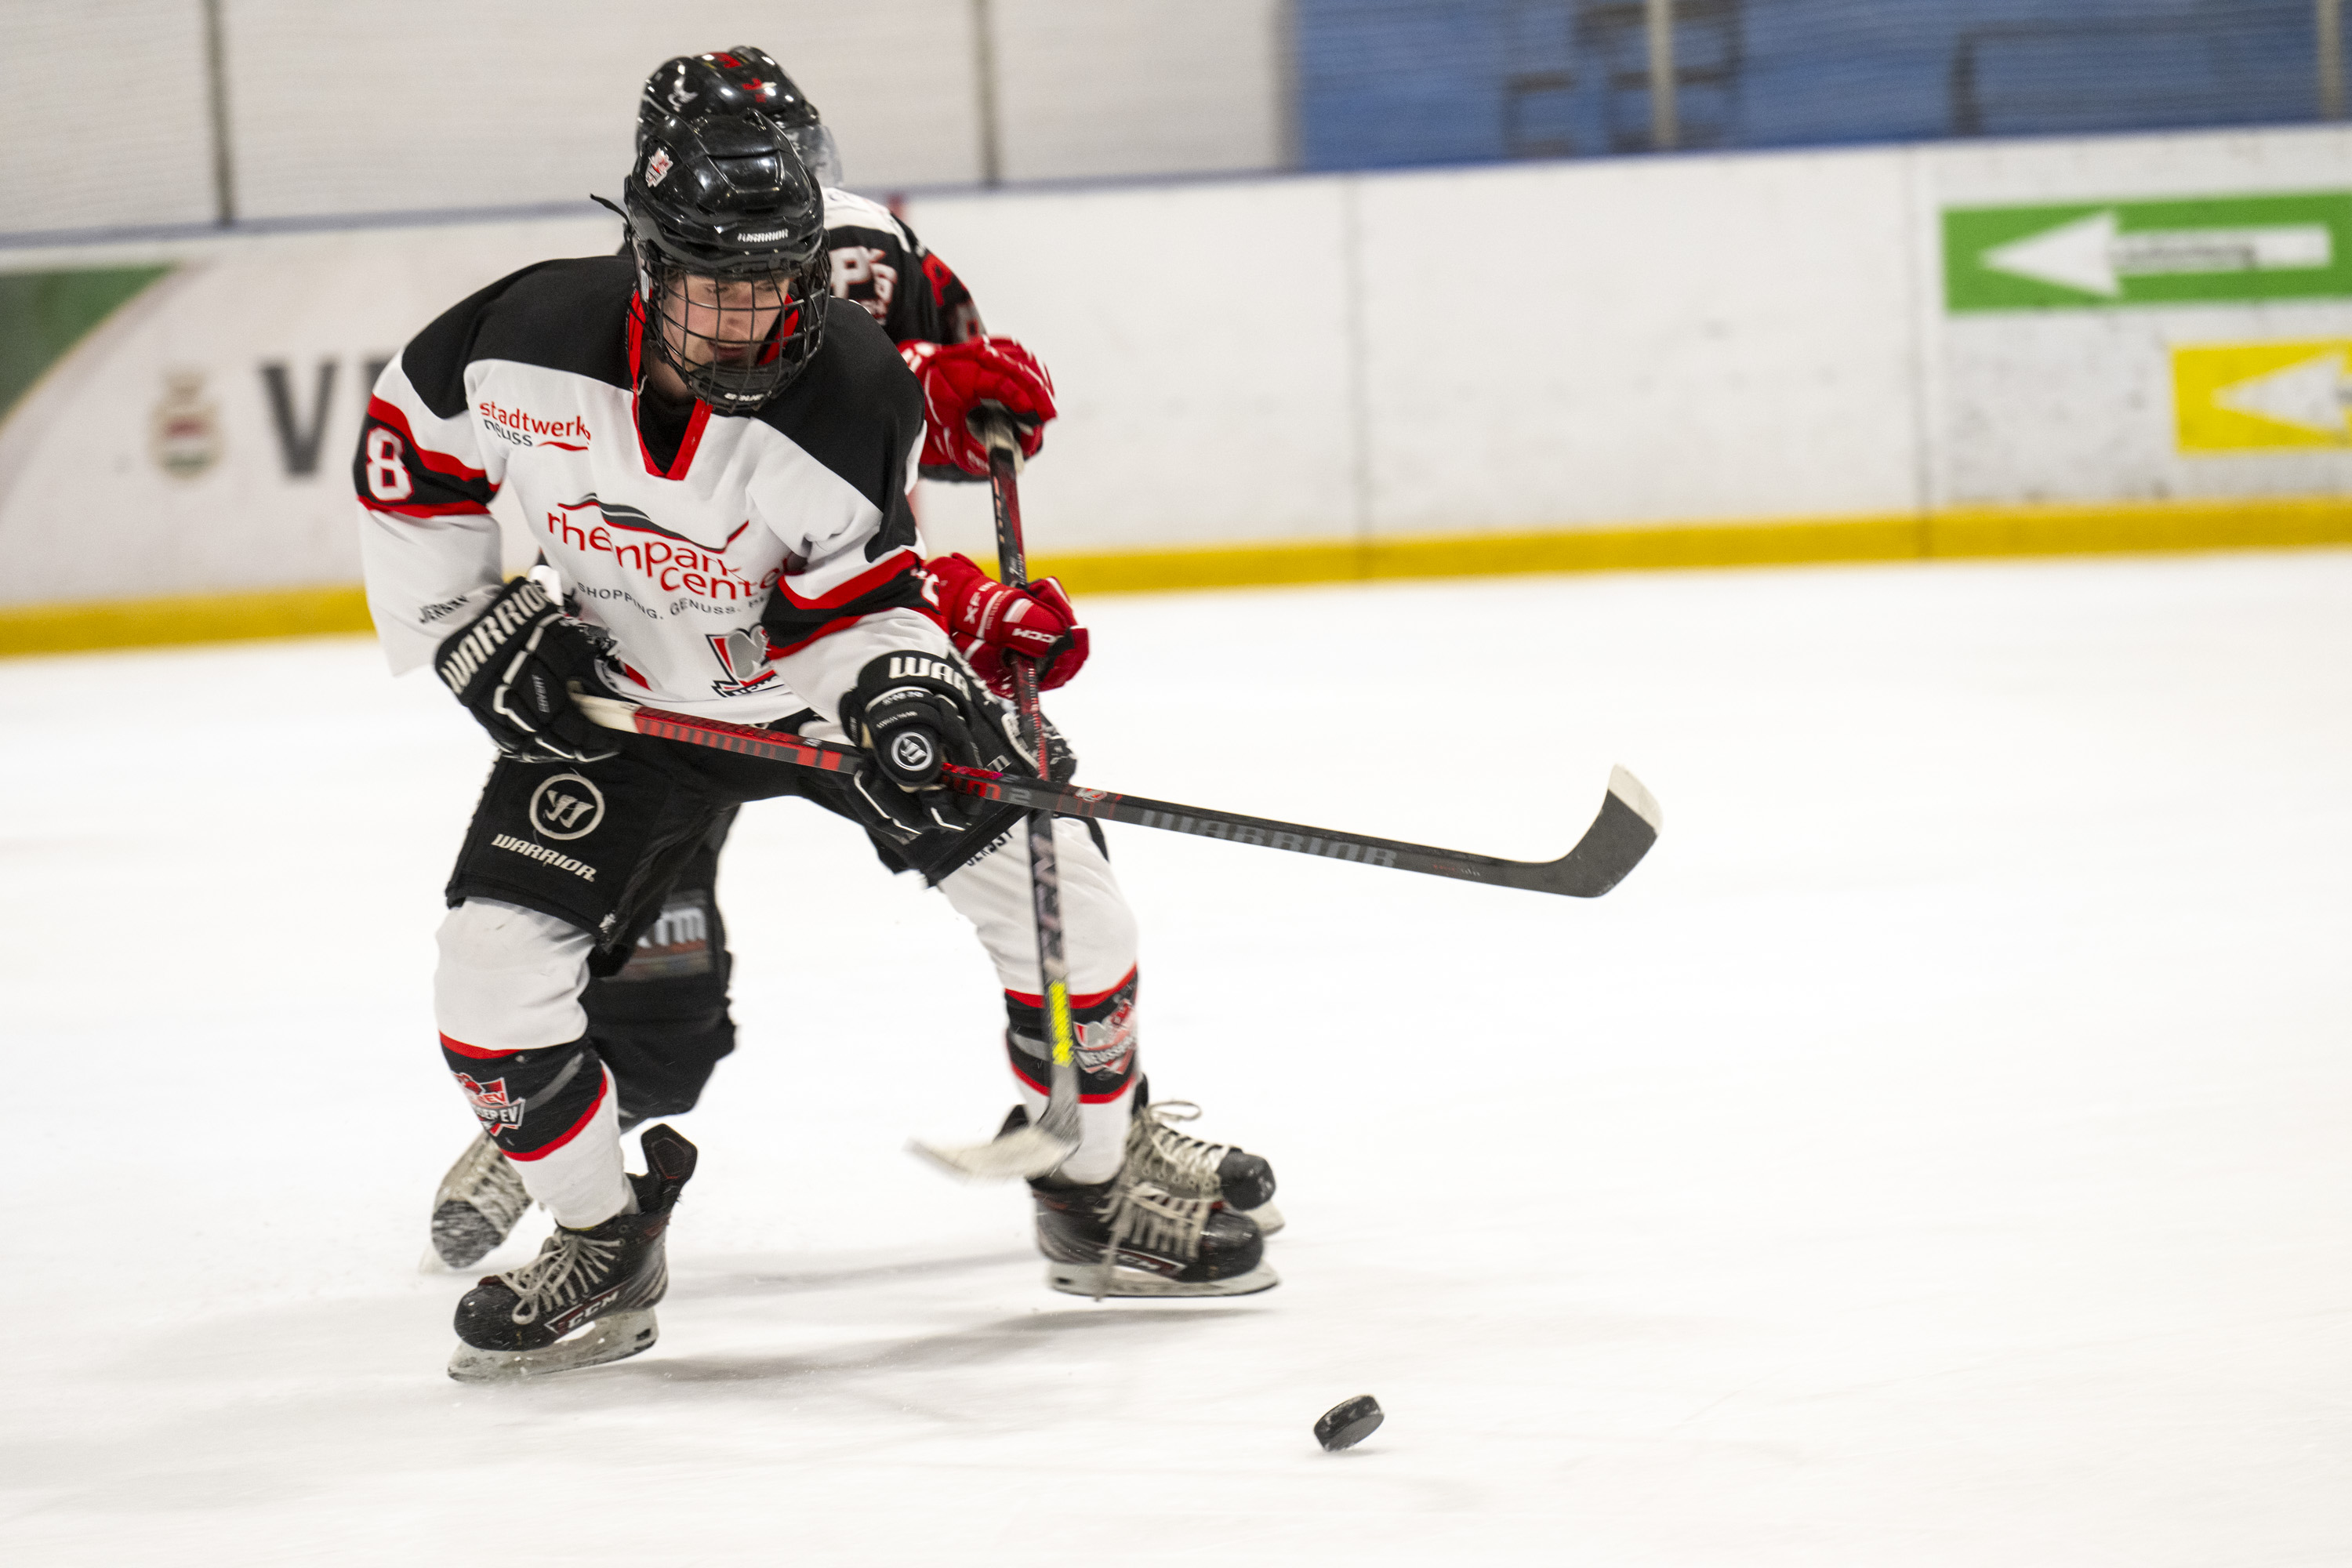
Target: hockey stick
{"x": 1614, "y": 844}
{"x": 1037, "y": 1148}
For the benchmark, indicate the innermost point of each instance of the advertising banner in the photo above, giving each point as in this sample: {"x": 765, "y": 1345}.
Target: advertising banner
{"x": 185, "y": 425}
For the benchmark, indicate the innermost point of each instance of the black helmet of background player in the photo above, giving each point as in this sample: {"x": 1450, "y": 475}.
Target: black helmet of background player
{"x": 730, "y": 81}
{"x": 728, "y": 229}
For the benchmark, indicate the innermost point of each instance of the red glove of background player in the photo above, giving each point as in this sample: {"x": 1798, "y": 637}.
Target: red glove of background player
{"x": 987, "y": 620}
{"x": 958, "y": 377}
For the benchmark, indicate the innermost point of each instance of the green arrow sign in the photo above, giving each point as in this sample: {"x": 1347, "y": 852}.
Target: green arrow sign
{"x": 2095, "y": 253}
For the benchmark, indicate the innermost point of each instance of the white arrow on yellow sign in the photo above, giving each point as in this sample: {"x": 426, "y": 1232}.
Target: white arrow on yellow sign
{"x": 2251, "y": 397}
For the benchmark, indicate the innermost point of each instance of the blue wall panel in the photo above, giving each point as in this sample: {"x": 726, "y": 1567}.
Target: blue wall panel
{"x": 1388, "y": 83}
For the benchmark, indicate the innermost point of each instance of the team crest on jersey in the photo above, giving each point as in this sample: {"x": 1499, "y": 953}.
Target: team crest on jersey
{"x": 743, "y": 654}
{"x": 659, "y": 166}
{"x": 498, "y": 1114}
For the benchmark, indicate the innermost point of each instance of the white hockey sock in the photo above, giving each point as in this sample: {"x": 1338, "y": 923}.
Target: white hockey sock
{"x": 1102, "y": 1134}
{"x": 581, "y": 1181}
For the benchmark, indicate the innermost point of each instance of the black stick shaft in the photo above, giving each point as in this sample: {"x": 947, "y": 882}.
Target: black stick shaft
{"x": 1044, "y": 862}
{"x": 1609, "y": 848}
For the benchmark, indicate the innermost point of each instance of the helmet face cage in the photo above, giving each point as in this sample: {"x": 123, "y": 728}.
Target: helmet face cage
{"x": 733, "y": 271}
{"x": 738, "y": 336}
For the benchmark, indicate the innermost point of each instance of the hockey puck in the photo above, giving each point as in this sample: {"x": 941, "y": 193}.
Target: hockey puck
{"x": 1349, "y": 1422}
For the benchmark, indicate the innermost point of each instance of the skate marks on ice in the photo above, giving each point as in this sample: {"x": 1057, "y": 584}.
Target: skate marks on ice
{"x": 1052, "y": 1335}
{"x": 248, "y": 1409}
{"x": 709, "y": 1284}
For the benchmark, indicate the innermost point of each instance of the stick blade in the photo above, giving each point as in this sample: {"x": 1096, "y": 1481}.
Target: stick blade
{"x": 609, "y": 712}
{"x": 1637, "y": 797}
{"x": 1023, "y": 1152}
{"x": 1628, "y": 825}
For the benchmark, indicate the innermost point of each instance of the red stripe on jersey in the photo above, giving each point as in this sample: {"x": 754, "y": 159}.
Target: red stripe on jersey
{"x": 439, "y": 462}
{"x": 604, "y": 1087}
{"x": 687, "y": 445}
{"x": 858, "y": 587}
{"x": 476, "y": 1052}
{"x": 1077, "y": 1003}
{"x": 445, "y": 509}
{"x": 694, "y": 426}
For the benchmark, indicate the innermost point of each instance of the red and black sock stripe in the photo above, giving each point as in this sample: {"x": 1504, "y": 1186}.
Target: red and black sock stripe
{"x": 532, "y": 1103}
{"x": 1103, "y": 1024}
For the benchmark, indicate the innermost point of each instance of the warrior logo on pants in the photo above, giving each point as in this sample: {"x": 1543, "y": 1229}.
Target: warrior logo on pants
{"x": 566, "y": 806}
{"x": 490, "y": 1103}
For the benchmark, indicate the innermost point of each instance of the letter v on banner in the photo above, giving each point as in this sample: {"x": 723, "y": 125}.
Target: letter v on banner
{"x": 299, "y": 440}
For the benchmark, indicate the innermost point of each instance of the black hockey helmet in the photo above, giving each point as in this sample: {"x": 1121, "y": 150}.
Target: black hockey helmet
{"x": 728, "y": 228}
{"x": 729, "y": 81}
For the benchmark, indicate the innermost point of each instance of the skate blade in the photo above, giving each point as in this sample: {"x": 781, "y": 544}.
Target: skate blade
{"x": 613, "y": 1338}
{"x": 1269, "y": 1217}
{"x": 1022, "y": 1153}
{"x": 1086, "y": 1280}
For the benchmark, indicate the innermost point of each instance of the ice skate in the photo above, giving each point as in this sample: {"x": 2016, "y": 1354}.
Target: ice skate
{"x": 478, "y": 1204}
{"x": 1193, "y": 1167}
{"x": 598, "y": 1286}
{"x": 1190, "y": 1167}
{"x": 1128, "y": 1237}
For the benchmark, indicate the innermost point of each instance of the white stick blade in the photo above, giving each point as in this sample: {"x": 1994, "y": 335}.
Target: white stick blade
{"x": 1637, "y": 798}
{"x": 1026, "y": 1151}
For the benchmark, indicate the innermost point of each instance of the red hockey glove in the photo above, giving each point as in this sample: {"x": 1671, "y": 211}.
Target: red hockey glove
{"x": 957, "y": 378}
{"x": 989, "y": 620}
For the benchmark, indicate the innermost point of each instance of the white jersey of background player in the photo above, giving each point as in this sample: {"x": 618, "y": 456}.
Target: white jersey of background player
{"x": 715, "y": 454}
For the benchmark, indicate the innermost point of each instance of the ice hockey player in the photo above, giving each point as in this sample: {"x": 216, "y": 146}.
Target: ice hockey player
{"x": 713, "y": 451}
{"x": 664, "y": 1021}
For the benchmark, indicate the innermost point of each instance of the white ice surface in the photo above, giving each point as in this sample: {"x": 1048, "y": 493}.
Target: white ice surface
{"x": 1940, "y": 1153}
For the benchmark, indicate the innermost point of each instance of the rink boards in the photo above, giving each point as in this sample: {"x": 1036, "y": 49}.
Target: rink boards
{"x": 2134, "y": 343}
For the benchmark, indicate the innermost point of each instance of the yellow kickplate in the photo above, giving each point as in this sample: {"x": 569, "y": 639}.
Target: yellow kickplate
{"x": 2264, "y": 523}
{"x": 206, "y": 618}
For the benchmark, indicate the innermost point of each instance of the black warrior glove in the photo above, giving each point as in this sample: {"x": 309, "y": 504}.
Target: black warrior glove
{"x": 916, "y": 712}
{"x": 512, "y": 667}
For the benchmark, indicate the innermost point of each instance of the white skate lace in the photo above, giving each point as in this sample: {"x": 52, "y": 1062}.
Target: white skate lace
{"x": 569, "y": 1265}
{"x": 485, "y": 1178}
{"x": 1158, "y": 1153}
{"x": 1154, "y": 1220}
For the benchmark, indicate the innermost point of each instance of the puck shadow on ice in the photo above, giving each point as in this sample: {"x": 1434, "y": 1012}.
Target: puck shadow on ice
{"x": 1349, "y": 1422}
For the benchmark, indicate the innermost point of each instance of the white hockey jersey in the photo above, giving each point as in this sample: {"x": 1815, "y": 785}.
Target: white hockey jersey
{"x": 752, "y": 575}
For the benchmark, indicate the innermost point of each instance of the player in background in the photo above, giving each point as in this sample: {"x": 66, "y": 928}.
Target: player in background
{"x": 663, "y": 1023}
{"x": 713, "y": 451}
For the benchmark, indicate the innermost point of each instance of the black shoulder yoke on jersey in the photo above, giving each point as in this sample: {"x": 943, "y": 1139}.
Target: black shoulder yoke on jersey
{"x": 565, "y": 315}
{"x": 857, "y": 410}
